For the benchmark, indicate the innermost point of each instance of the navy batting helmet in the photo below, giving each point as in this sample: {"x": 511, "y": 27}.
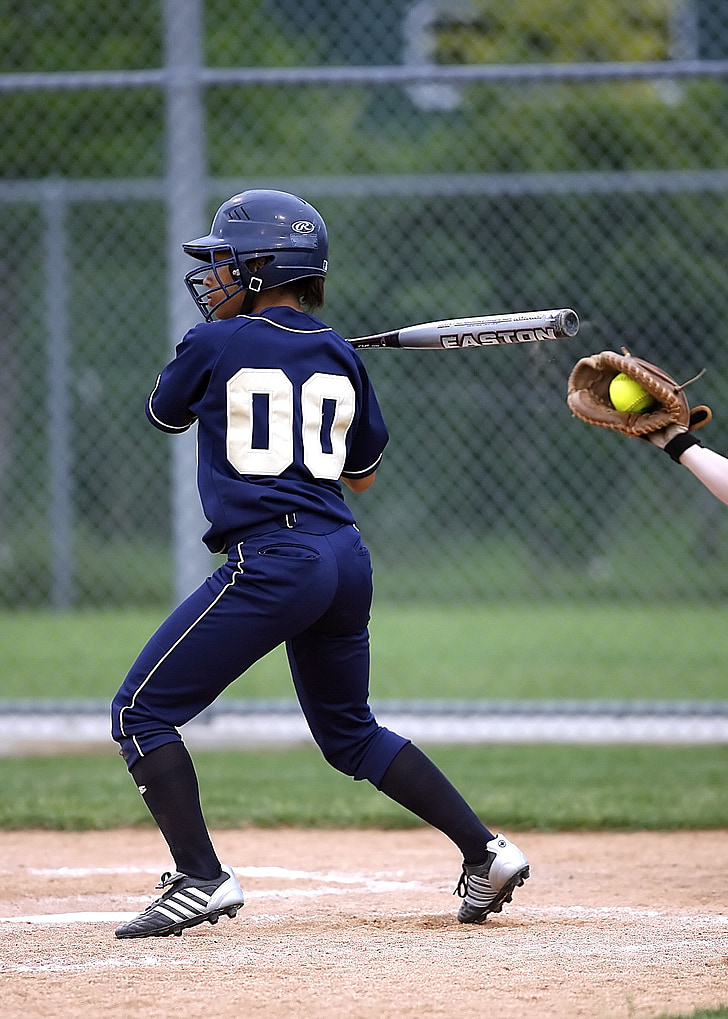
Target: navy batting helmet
{"x": 285, "y": 230}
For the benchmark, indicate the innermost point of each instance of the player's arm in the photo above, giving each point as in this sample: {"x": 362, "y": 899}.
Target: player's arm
{"x": 171, "y": 404}
{"x": 163, "y": 417}
{"x": 684, "y": 447}
{"x": 710, "y": 468}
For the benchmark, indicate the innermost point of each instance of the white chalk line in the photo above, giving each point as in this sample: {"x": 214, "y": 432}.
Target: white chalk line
{"x": 357, "y": 882}
{"x": 330, "y": 883}
{"x": 376, "y": 884}
{"x": 57, "y": 966}
{"x": 248, "y": 871}
{"x": 348, "y": 884}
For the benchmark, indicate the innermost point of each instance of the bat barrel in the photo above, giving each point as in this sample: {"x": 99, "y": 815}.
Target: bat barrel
{"x": 567, "y": 322}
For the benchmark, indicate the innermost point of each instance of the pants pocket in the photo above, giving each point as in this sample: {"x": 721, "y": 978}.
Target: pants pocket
{"x": 287, "y": 551}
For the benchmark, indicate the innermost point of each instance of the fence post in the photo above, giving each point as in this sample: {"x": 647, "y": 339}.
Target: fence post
{"x": 186, "y": 187}
{"x": 58, "y": 399}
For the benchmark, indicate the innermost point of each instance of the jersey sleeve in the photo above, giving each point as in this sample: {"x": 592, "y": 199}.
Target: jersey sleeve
{"x": 182, "y": 383}
{"x": 371, "y": 436}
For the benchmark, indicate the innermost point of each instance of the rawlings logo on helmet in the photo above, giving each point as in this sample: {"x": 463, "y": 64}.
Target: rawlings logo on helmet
{"x": 303, "y": 226}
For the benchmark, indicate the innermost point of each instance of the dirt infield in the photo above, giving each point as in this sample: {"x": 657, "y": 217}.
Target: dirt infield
{"x": 362, "y": 925}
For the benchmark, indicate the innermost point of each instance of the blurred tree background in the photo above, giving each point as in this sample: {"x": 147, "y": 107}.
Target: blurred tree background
{"x": 457, "y": 196}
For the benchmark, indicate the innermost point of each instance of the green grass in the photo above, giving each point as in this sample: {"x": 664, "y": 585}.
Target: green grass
{"x": 543, "y": 788}
{"x": 703, "y": 1013}
{"x": 535, "y": 650}
{"x": 419, "y": 651}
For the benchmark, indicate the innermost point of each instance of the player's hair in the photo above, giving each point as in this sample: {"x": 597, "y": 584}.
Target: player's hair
{"x": 311, "y": 292}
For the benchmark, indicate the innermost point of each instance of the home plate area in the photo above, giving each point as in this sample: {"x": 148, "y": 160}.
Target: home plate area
{"x": 362, "y": 924}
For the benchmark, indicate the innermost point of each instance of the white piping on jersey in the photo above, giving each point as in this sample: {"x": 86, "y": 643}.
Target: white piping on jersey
{"x": 169, "y": 428}
{"x": 238, "y": 572}
{"x": 287, "y": 329}
{"x": 365, "y": 470}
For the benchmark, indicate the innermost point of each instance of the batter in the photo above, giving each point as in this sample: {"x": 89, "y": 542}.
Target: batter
{"x": 285, "y": 414}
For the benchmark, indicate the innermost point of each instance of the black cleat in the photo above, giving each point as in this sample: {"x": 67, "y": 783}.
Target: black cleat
{"x": 186, "y": 902}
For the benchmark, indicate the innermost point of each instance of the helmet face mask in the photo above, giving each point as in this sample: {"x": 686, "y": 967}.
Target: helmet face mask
{"x": 209, "y": 298}
{"x": 281, "y": 228}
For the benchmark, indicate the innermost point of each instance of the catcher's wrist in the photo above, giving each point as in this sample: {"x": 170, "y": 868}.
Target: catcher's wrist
{"x": 677, "y": 446}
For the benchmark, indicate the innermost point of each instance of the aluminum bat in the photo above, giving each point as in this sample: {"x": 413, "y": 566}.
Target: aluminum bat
{"x": 481, "y": 331}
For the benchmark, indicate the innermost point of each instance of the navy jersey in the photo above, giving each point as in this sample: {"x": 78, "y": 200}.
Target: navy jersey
{"x": 284, "y": 408}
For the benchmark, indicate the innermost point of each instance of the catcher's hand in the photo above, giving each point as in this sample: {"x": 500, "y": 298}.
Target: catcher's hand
{"x": 588, "y": 396}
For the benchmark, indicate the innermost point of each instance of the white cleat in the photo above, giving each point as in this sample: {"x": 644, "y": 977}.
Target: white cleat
{"x": 486, "y": 887}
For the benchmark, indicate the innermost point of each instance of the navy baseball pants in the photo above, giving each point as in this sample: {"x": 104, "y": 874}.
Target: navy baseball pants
{"x": 310, "y": 591}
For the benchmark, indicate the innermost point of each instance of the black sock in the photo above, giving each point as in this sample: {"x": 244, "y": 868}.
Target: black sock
{"x": 166, "y": 779}
{"x": 417, "y": 784}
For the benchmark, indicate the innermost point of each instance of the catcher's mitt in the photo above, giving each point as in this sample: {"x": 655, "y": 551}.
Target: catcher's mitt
{"x": 588, "y": 395}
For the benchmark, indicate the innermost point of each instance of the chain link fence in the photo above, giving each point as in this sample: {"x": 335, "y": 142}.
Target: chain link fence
{"x": 468, "y": 158}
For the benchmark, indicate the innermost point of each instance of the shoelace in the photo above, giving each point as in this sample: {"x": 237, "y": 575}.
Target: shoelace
{"x": 461, "y": 888}
{"x": 168, "y": 878}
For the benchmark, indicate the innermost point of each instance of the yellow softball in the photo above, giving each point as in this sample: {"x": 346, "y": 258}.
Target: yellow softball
{"x": 628, "y": 396}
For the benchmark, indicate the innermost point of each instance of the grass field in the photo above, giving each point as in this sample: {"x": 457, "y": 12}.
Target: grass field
{"x": 537, "y": 788}
{"x": 484, "y": 651}
{"x": 424, "y": 651}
